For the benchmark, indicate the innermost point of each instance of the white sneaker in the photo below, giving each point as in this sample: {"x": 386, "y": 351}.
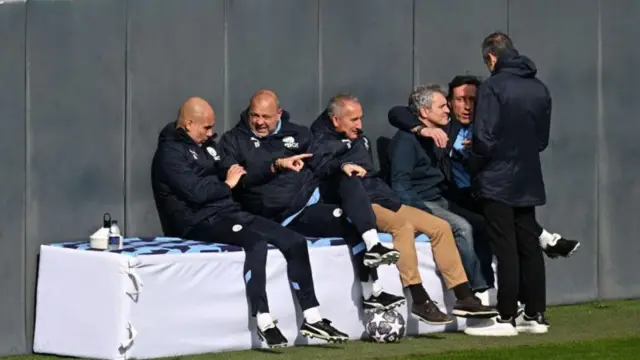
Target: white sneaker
{"x": 484, "y": 297}
{"x": 535, "y": 325}
{"x": 492, "y": 327}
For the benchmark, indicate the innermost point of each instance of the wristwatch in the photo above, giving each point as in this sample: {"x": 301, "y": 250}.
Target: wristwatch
{"x": 417, "y": 130}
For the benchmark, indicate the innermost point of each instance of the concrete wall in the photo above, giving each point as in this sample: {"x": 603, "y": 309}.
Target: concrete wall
{"x": 85, "y": 87}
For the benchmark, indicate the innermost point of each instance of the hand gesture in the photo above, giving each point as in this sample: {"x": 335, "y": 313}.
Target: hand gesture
{"x": 439, "y": 137}
{"x": 295, "y": 163}
{"x": 234, "y": 174}
{"x": 353, "y": 169}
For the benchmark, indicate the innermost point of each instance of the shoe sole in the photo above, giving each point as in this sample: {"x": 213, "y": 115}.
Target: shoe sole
{"x": 387, "y": 259}
{"x": 431, "y": 322}
{"x": 475, "y": 315}
{"x": 530, "y": 330}
{"x": 495, "y": 334}
{"x": 330, "y": 339}
{"x": 573, "y": 251}
{"x": 376, "y": 307}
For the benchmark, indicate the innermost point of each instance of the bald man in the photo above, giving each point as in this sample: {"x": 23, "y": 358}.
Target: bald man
{"x": 280, "y": 185}
{"x": 192, "y": 189}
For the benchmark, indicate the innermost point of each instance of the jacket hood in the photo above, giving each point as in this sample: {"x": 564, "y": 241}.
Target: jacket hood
{"x": 323, "y": 125}
{"x": 171, "y": 132}
{"x": 243, "y": 124}
{"x": 516, "y": 64}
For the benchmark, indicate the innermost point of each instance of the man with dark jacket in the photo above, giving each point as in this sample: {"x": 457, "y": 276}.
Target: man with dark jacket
{"x": 511, "y": 128}
{"x": 455, "y": 165}
{"x": 192, "y": 190}
{"x": 417, "y": 178}
{"x": 347, "y": 153}
{"x": 287, "y": 192}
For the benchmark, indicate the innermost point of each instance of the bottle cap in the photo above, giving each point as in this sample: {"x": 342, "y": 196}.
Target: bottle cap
{"x": 106, "y": 220}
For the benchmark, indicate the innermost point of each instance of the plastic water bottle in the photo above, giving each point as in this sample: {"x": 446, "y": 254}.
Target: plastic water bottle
{"x": 114, "y": 236}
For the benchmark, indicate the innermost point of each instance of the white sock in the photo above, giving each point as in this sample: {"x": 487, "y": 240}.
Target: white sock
{"x": 367, "y": 288}
{"x": 264, "y": 321}
{"x": 312, "y": 315}
{"x": 547, "y": 239}
{"x": 377, "y": 289}
{"x": 370, "y": 238}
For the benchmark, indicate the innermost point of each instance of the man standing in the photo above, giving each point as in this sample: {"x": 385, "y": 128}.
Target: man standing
{"x": 511, "y": 128}
{"x": 192, "y": 190}
{"x": 280, "y": 185}
{"x": 347, "y": 154}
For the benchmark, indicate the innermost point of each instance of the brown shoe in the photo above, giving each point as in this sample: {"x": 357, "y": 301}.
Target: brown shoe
{"x": 429, "y": 313}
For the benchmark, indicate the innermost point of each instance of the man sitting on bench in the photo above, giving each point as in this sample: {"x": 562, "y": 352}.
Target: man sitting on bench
{"x": 192, "y": 190}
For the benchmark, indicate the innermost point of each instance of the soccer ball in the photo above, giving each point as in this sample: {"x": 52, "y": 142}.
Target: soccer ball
{"x": 385, "y": 326}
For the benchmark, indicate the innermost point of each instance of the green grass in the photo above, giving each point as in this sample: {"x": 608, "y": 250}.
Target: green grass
{"x": 603, "y": 330}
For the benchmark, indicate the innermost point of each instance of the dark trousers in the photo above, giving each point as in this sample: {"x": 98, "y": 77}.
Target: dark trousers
{"x": 326, "y": 220}
{"x": 520, "y": 261}
{"x": 348, "y": 192}
{"x": 253, "y": 233}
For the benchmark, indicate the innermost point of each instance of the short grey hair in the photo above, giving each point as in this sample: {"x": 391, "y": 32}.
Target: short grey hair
{"x": 422, "y": 96}
{"x": 334, "y": 107}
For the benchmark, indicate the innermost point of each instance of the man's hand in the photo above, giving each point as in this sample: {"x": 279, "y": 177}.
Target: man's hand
{"x": 353, "y": 169}
{"x": 234, "y": 174}
{"x": 295, "y": 163}
{"x": 466, "y": 143}
{"x": 439, "y": 137}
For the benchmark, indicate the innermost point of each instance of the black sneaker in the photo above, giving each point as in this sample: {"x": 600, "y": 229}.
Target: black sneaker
{"x": 384, "y": 301}
{"x": 562, "y": 248}
{"x": 322, "y": 330}
{"x": 272, "y": 336}
{"x": 471, "y": 307}
{"x": 536, "y": 324}
{"x": 429, "y": 313}
{"x": 381, "y": 255}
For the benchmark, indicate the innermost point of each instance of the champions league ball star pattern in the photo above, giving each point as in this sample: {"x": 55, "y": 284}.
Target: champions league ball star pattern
{"x": 386, "y": 326}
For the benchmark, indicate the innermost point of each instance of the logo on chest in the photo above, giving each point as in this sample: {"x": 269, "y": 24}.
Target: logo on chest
{"x": 347, "y": 142}
{"x": 194, "y": 154}
{"x": 366, "y": 143}
{"x": 256, "y": 142}
{"x": 213, "y": 153}
{"x": 290, "y": 143}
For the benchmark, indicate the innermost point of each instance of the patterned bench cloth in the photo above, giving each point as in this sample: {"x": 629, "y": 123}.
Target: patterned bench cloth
{"x": 171, "y": 245}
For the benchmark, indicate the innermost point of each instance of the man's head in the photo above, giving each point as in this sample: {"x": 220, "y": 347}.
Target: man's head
{"x": 494, "y": 46}
{"x": 429, "y": 102}
{"x": 264, "y": 112}
{"x": 197, "y": 118}
{"x": 462, "y": 97}
{"x": 345, "y": 113}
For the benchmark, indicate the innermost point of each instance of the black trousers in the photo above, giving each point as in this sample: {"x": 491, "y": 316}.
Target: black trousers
{"x": 348, "y": 192}
{"x": 521, "y": 268}
{"x": 326, "y": 220}
{"x": 253, "y": 233}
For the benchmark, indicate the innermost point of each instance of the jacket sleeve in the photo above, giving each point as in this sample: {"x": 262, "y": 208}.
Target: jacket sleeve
{"x": 543, "y": 127}
{"x": 322, "y": 163}
{"x": 175, "y": 171}
{"x": 256, "y": 175}
{"x": 486, "y": 126}
{"x": 403, "y": 160}
{"x": 403, "y": 118}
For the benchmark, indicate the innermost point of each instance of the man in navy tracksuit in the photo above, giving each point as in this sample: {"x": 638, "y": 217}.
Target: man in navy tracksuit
{"x": 192, "y": 187}
{"x": 347, "y": 155}
{"x": 280, "y": 185}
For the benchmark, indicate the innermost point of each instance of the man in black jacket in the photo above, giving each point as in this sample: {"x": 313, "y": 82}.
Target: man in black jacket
{"x": 511, "y": 128}
{"x": 280, "y": 184}
{"x": 347, "y": 154}
{"x": 192, "y": 190}
{"x": 454, "y": 163}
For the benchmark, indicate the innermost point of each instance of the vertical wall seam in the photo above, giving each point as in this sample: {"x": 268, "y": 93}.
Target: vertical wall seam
{"x": 225, "y": 66}
{"x": 600, "y": 135}
{"x": 414, "y": 53}
{"x": 27, "y": 176}
{"x": 320, "y": 64}
{"x": 508, "y": 13}
{"x": 127, "y": 117}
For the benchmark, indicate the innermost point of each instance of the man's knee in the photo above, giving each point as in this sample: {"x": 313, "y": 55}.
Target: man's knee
{"x": 296, "y": 245}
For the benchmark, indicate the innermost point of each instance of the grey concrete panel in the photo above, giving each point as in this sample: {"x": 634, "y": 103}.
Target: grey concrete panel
{"x": 75, "y": 134}
{"x": 564, "y": 48}
{"x": 449, "y": 34}
{"x": 175, "y": 50}
{"x": 273, "y": 44}
{"x": 12, "y": 179}
{"x": 366, "y": 51}
{"x": 619, "y": 173}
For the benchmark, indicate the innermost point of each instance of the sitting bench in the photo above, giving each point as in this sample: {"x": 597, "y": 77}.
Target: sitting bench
{"x": 160, "y": 297}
